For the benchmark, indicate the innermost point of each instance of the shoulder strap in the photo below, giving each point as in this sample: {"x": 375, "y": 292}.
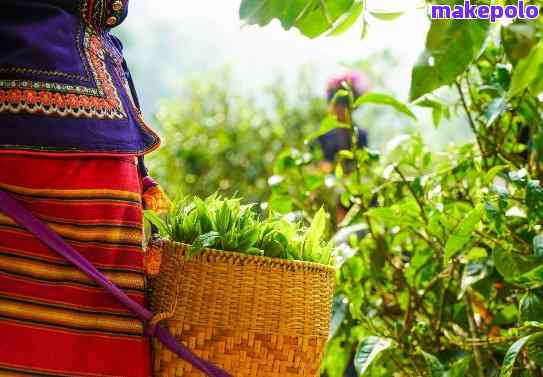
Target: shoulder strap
{"x": 45, "y": 234}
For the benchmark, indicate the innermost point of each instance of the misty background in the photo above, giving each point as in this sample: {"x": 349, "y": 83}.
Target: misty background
{"x": 168, "y": 42}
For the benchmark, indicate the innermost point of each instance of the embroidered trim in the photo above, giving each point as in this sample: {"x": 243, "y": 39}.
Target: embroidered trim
{"x": 39, "y": 72}
{"x": 51, "y": 98}
{"x": 49, "y": 86}
{"x": 93, "y": 11}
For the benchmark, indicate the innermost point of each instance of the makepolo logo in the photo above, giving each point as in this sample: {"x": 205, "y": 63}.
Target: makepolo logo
{"x": 467, "y": 11}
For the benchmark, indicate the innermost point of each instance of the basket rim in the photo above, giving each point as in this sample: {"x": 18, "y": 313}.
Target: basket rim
{"x": 236, "y": 257}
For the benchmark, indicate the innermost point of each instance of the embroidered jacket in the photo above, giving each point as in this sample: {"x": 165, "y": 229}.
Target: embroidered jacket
{"x": 64, "y": 85}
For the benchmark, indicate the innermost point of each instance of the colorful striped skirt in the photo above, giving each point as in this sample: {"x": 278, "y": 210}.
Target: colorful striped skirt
{"x": 54, "y": 321}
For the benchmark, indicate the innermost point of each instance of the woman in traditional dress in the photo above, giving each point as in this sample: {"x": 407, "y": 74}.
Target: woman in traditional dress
{"x": 71, "y": 146}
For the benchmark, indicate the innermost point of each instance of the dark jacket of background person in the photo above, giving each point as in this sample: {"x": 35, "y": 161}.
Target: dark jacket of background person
{"x": 340, "y": 139}
{"x": 64, "y": 84}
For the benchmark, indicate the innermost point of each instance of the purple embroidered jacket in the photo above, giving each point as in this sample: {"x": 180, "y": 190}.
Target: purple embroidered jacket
{"x": 64, "y": 86}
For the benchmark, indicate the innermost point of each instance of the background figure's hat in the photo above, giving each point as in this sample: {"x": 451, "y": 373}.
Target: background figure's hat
{"x": 359, "y": 83}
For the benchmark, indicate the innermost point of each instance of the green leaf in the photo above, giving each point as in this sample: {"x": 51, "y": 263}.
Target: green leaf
{"x": 433, "y": 365}
{"x": 535, "y": 350}
{"x": 537, "y": 243}
{"x": 314, "y": 235}
{"x": 437, "y": 112}
{"x": 247, "y": 238}
{"x": 476, "y": 253}
{"x": 348, "y": 19}
{"x": 510, "y": 265}
{"x": 494, "y": 110}
{"x": 386, "y": 214}
{"x": 534, "y": 199}
{"x": 321, "y": 16}
{"x": 337, "y": 357}
{"x": 491, "y": 174}
{"x": 345, "y": 155}
{"x": 339, "y": 311}
{"x": 385, "y": 15}
{"x": 384, "y": 99}
{"x": 451, "y": 46}
{"x": 513, "y": 352}
{"x": 249, "y": 8}
{"x": 473, "y": 273}
{"x": 281, "y": 203}
{"x": 518, "y": 40}
{"x": 342, "y": 93}
{"x": 531, "y": 279}
{"x": 326, "y": 255}
{"x": 463, "y": 233}
{"x": 364, "y": 29}
{"x": 157, "y": 221}
{"x": 203, "y": 241}
{"x": 518, "y": 175}
{"x": 318, "y": 225}
{"x": 309, "y": 16}
{"x": 203, "y": 214}
{"x": 294, "y": 11}
{"x": 527, "y": 70}
{"x": 355, "y": 302}
{"x": 459, "y": 368}
{"x": 368, "y": 352}
{"x": 260, "y": 12}
{"x": 328, "y": 124}
{"x": 439, "y": 109}
{"x": 531, "y": 308}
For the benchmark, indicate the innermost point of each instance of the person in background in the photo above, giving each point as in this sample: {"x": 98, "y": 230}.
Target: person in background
{"x": 341, "y": 138}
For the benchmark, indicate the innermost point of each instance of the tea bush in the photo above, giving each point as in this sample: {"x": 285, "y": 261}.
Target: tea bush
{"x": 441, "y": 270}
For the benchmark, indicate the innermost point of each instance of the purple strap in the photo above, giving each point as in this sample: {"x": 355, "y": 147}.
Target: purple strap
{"x": 26, "y": 219}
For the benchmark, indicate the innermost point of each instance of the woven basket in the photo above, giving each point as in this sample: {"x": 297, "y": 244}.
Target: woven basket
{"x": 252, "y": 316}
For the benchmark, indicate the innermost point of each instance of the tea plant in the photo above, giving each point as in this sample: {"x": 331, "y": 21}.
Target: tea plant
{"x": 226, "y": 224}
{"x": 441, "y": 270}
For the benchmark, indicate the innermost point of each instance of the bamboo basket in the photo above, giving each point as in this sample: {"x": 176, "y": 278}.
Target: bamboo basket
{"x": 252, "y": 316}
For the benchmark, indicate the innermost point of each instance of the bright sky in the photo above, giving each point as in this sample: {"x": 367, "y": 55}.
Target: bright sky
{"x": 171, "y": 40}
{"x": 175, "y": 39}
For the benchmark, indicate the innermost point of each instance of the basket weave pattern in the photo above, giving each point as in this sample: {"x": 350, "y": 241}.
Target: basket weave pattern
{"x": 252, "y": 316}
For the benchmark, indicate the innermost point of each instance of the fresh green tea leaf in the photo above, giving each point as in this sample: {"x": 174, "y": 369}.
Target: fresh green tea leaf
{"x": 513, "y": 352}
{"x": 459, "y": 368}
{"x": 339, "y": 311}
{"x": 157, "y": 221}
{"x": 527, "y": 70}
{"x": 451, "y": 46}
{"x": 530, "y": 279}
{"x": 531, "y": 308}
{"x": 537, "y": 243}
{"x": 433, "y": 365}
{"x": 463, "y": 233}
{"x": 384, "y": 99}
{"x": 368, "y": 352}
{"x": 348, "y": 19}
{"x": 384, "y": 15}
{"x": 202, "y": 242}
{"x": 535, "y": 350}
{"x": 328, "y": 124}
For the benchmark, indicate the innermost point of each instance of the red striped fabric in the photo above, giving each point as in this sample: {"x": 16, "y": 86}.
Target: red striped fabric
{"x": 54, "y": 321}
